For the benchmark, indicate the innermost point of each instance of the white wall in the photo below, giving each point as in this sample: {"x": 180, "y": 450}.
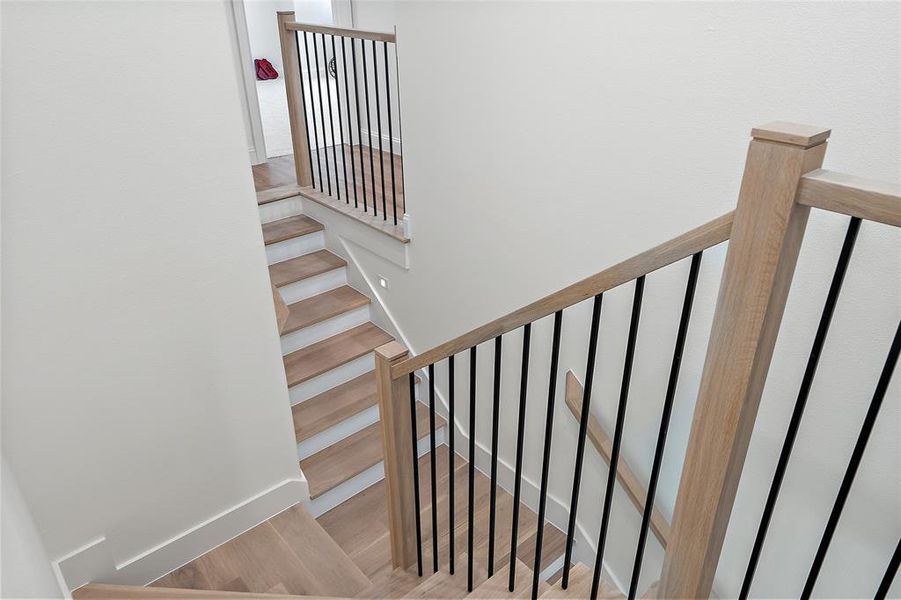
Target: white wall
{"x": 262, "y": 28}
{"x": 545, "y": 141}
{"x": 143, "y": 388}
{"x": 25, "y": 570}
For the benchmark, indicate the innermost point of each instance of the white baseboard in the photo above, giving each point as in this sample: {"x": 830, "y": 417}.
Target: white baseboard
{"x": 398, "y": 144}
{"x": 96, "y": 562}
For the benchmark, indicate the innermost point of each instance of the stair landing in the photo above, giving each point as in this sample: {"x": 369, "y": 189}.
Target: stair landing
{"x": 288, "y": 554}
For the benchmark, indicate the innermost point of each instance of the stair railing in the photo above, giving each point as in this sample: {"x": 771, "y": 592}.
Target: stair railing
{"x": 344, "y": 115}
{"x": 782, "y": 180}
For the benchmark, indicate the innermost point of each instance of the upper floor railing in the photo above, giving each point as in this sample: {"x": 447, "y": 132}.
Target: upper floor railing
{"x": 344, "y": 114}
{"x": 782, "y": 181}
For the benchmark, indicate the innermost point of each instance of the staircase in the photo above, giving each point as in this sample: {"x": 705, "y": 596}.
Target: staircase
{"x": 327, "y": 342}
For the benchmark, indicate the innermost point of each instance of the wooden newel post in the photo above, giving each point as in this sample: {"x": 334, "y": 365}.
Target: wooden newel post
{"x": 766, "y": 238}
{"x": 394, "y": 415}
{"x": 296, "y": 107}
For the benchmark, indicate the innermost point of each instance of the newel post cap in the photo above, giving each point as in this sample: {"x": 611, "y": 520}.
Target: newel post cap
{"x": 392, "y": 351}
{"x": 796, "y": 134}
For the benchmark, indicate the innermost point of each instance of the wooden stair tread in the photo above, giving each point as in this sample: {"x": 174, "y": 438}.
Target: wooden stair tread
{"x": 496, "y": 585}
{"x": 302, "y": 267}
{"x": 579, "y": 584}
{"x": 318, "y": 358}
{"x": 333, "y": 406}
{"x": 354, "y": 454}
{"x": 335, "y": 573}
{"x": 291, "y": 227}
{"x": 553, "y": 543}
{"x": 441, "y": 585}
{"x": 395, "y": 584}
{"x": 323, "y": 306}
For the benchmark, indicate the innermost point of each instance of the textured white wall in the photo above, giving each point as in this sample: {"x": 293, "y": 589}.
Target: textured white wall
{"x": 143, "y": 387}
{"x": 545, "y": 141}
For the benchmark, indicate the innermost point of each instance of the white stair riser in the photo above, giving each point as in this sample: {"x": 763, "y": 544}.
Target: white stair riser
{"x": 357, "y": 484}
{"x": 340, "y": 431}
{"x": 281, "y": 209}
{"x": 313, "y": 286}
{"x": 294, "y": 247}
{"x": 324, "y": 329}
{"x": 329, "y": 379}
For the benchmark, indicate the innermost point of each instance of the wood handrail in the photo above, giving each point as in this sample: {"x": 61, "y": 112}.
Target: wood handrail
{"x": 624, "y": 474}
{"x": 379, "y": 36}
{"x": 853, "y": 196}
{"x": 703, "y": 237}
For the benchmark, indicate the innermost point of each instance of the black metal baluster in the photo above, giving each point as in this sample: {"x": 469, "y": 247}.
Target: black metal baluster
{"x": 495, "y": 412}
{"x": 856, "y": 456}
{"x": 546, "y": 461}
{"x": 472, "y": 463}
{"x": 583, "y": 430}
{"x": 415, "y": 446}
{"x": 520, "y": 438}
{"x": 303, "y": 103}
{"x": 665, "y": 419}
{"x": 350, "y": 129}
{"x": 378, "y": 119}
{"x": 450, "y": 462}
{"x": 331, "y": 121}
{"x": 813, "y": 360}
{"x": 313, "y": 111}
{"x": 328, "y": 177}
{"x": 390, "y": 132}
{"x": 340, "y": 122}
{"x": 434, "y": 467}
{"x": 353, "y": 56}
{"x": 617, "y": 434}
{"x": 890, "y": 571}
{"x": 375, "y": 210}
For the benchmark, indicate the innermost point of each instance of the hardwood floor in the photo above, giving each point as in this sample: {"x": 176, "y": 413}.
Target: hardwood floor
{"x": 352, "y": 177}
{"x": 360, "y": 525}
{"x": 288, "y": 554}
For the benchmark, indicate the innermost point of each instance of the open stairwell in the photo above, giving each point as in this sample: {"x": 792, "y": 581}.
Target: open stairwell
{"x": 338, "y": 544}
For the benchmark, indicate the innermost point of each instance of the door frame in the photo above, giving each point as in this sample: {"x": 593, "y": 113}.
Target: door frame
{"x": 250, "y": 102}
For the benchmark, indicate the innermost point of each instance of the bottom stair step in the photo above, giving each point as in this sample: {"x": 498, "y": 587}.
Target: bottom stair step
{"x": 289, "y": 553}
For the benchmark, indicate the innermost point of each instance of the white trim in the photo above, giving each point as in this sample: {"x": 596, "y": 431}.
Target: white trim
{"x": 95, "y": 560}
{"x": 398, "y": 145}
{"x": 244, "y": 64}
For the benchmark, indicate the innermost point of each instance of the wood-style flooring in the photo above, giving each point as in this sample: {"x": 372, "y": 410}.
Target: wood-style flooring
{"x": 353, "y": 177}
{"x": 360, "y": 525}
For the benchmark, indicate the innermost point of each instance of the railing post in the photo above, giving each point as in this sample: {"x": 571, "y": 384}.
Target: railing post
{"x": 394, "y": 415}
{"x": 763, "y": 248}
{"x": 296, "y": 108}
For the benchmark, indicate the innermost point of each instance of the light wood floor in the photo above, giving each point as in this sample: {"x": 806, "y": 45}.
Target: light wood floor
{"x": 279, "y": 172}
{"x": 360, "y": 525}
{"x": 293, "y": 554}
